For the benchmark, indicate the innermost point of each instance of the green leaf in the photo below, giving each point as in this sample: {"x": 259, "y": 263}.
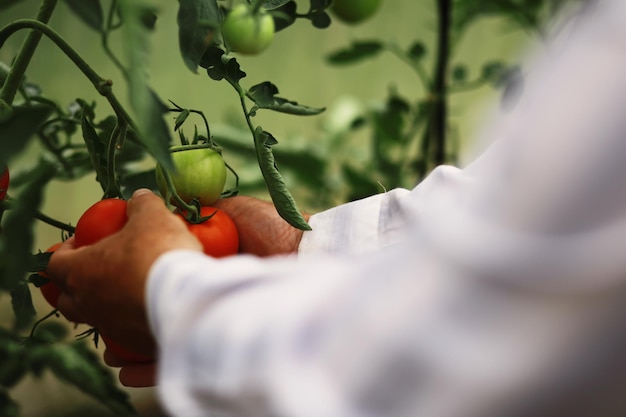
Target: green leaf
{"x": 78, "y": 365}
{"x": 320, "y": 20}
{"x": 197, "y": 21}
{"x": 13, "y": 365}
{"x": 459, "y": 73}
{"x": 97, "y": 151}
{"x": 285, "y": 15}
{"x": 357, "y": 52}
{"x": 16, "y": 239}
{"x": 275, "y": 4}
{"x": 90, "y": 12}
{"x": 8, "y": 406}
{"x": 133, "y": 181}
{"x": 417, "y": 51}
{"x": 22, "y": 304}
{"x": 281, "y": 197}
{"x": 180, "y": 119}
{"x": 264, "y": 96}
{"x": 220, "y": 66}
{"x": 39, "y": 261}
{"x": 148, "y": 107}
{"x": 16, "y": 132}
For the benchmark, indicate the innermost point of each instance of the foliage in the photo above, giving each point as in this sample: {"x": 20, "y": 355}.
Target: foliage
{"x": 409, "y": 136}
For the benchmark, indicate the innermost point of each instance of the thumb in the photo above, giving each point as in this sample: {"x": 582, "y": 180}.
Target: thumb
{"x": 144, "y": 203}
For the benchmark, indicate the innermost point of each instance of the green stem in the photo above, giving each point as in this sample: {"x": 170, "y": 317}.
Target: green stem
{"x": 439, "y": 92}
{"x": 102, "y": 85}
{"x": 417, "y": 67}
{"x": 113, "y": 187}
{"x": 256, "y": 6}
{"x": 105, "y": 39}
{"x": 8, "y": 204}
{"x": 41, "y": 320}
{"x": 16, "y": 74}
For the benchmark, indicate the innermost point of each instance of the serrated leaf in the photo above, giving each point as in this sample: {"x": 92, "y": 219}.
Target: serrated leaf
{"x": 145, "y": 102}
{"x": 80, "y": 366}
{"x": 16, "y": 133}
{"x": 22, "y": 303}
{"x": 197, "y": 20}
{"x": 264, "y": 96}
{"x": 357, "y": 52}
{"x": 281, "y": 197}
{"x": 16, "y": 239}
{"x": 219, "y": 66}
{"x": 90, "y": 12}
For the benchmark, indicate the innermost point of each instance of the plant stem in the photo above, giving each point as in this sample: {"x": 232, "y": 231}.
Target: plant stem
{"x": 103, "y": 86}
{"x": 257, "y": 6}
{"x": 439, "y": 92}
{"x": 16, "y": 74}
{"x": 417, "y": 67}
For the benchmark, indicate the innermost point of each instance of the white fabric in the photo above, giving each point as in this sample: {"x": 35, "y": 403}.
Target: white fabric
{"x": 495, "y": 290}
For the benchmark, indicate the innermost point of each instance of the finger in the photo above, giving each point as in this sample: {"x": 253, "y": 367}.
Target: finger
{"x": 66, "y": 306}
{"x": 144, "y": 203}
{"x": 61, "y": 261}
{"x": 138, "y": 376}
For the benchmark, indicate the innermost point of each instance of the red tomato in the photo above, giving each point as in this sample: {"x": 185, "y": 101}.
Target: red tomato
{"x": 50, "y": 290}
{"x": 123, "y": 353}
{"x": 218, "y": 235}
{"x": 4, "y": 183}
{"x": 103, "y": 219}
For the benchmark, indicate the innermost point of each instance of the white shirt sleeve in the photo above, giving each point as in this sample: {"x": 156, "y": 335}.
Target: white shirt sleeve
{"x": 494, "y": 290}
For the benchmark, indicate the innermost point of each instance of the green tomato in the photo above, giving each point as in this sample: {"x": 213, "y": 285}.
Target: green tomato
{"x": 248, "y": 33}
{"x": 200, "y": 174}
{"x": 354, "y": 11}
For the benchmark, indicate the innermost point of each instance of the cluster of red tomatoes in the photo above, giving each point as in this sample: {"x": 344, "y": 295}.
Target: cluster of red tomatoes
{"x": 200, "y": 175}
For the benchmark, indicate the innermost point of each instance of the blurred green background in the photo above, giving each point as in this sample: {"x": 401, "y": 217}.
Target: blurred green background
{"x": 295, "y": 62}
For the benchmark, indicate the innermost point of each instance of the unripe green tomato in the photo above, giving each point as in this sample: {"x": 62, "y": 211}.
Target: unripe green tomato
{"x": 248, "y": 33}
{"x": 354, "y": 11}
{"x": 200, "y": 174}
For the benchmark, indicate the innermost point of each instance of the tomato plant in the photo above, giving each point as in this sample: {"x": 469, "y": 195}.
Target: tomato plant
{"x": 4, "y": 183}
{"x": 123, "y": 353}
{"x": 102, "y": 219}
{"x": 88, "y": 130}
{"x": 218, "y": 235}
{"x": 354, "y": 11}
{"x": 246, "y": 31}
{"x": 200, "y": 174}
{"x": 50, "y": 290}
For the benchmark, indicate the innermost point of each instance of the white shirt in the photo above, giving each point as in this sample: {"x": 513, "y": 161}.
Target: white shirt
{"x": 495, "y": 290}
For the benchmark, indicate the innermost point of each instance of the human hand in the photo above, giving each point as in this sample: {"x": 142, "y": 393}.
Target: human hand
{"x": 262, "y": 231}
{"x": 104, "y": 284}
{"x": 132, "y": 374}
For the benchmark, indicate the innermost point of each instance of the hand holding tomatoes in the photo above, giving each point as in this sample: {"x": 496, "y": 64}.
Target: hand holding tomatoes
{"x": 103, "y": 283}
